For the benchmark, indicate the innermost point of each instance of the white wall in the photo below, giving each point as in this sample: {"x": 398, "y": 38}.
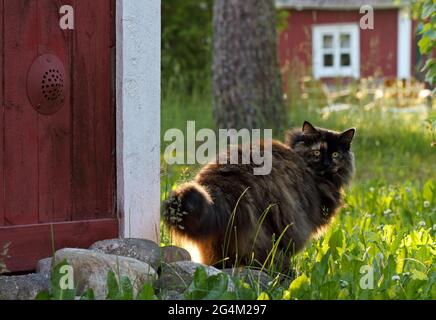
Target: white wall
{"x": 138, "y": 117}
{"x": 404, "y": 50}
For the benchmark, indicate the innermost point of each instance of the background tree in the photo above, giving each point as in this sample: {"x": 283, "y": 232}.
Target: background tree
{"x": 186, "y": 44}
{"x": 247, "y": 87}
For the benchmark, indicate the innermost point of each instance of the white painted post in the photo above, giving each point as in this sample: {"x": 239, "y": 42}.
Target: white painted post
{"x": 138, "y": 117}
{"x": 404, "y": 50}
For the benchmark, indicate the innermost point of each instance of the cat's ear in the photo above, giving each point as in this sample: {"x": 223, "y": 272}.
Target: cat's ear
{"x": 347, "y": 136}
{"x": 309, "y": 130}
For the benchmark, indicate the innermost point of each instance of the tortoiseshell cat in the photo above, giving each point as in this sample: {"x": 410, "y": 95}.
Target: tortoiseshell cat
{"x": 303, "y": 191}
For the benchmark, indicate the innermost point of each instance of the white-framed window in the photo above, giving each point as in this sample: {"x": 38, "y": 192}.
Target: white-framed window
{"x": 335, "y": 50}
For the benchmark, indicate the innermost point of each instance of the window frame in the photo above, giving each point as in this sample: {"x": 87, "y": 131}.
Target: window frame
{"x": 321, "y": 71}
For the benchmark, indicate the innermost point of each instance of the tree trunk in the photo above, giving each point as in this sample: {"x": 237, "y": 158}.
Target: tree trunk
{"x": 246, "y": 79}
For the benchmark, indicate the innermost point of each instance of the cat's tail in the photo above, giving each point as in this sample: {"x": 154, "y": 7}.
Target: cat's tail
{"x": 190, "y": 212}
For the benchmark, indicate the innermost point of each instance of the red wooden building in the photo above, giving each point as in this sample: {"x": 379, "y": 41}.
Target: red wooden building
{"x": 327, "y": 38}
{"x": 77, "y": 106}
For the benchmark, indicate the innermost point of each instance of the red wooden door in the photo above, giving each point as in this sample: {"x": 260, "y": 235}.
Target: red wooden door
{"x": 58, "y": 170}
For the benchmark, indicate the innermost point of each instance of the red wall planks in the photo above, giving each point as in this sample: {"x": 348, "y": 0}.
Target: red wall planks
{"x": 93, "y": 122}
{"x": 54, "y": 131}
{"x": 20, "y": 120}
{"x": 58, "y": 168}
{"x": 378, "y": 47}
{"x": 2, "y": 192}
{"x": 33, "y": 242}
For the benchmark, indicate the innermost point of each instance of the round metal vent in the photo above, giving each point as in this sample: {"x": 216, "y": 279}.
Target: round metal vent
{"x": 46, "y": 84}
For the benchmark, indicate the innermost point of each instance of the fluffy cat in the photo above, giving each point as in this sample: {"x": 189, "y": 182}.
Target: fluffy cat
{"x": 234, "y": 216}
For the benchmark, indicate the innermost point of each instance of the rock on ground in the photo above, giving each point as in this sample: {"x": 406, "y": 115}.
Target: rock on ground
{"x": 177, "y": 276}
{"x": 44, "y": 266}
{"x": 173, "y": 254}
{"x": 91, "y": 269}
{"x": 140, "y": 249}
{"x": 172, "y": 295}
{"x": 24, "y": 287}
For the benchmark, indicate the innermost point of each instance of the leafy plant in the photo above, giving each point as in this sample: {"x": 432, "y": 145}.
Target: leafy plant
{"x": 426, "y": 12}
{"x": 222, "y": 287}
{"x": 56, "y": 290}
{"x": 3, "y": 256}
{"x": 186, "y": 41}
{"x": 431, "y": 126}
{"x": 387, "y": 227}
{"x": 123, "y": 289}
{"x": 204, "y": 287}
{"x": 117, "y": 290}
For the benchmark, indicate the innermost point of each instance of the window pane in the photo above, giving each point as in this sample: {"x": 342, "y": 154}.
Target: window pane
{"x": 345, "y": 40}
{"x": 345, "y": 60}
{"x": 328, "y": 60}
{"x": 327, "y": 41}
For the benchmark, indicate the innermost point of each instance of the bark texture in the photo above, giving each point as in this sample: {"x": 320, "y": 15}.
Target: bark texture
{"x": 246, "y": 79}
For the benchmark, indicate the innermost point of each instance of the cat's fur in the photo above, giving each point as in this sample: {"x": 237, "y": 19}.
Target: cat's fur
{"x": 303, "y": 191}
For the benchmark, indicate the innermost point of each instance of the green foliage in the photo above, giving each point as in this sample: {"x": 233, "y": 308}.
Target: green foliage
{"x": 205, "y": 287}
{"x": 282, "y": 20}
{"x": 221, "y": 287}
{"x": 123, "y": 289}
{"x": 3, "y": 256}
{"x": 425, "y": 10}
{"x": 388, "y": 229}
{"x": 147, "y": 293}
{"x": 117, "y": 290}
{"x": 388, "y": 223}
{"x": 187, "y": 32}
{"x": 431, "y": 126}
{"x": 57, "y": 291}
{"x": 186, "y": 41}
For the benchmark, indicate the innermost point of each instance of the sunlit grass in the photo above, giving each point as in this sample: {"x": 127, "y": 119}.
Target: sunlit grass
{"x": 388, "y": 223}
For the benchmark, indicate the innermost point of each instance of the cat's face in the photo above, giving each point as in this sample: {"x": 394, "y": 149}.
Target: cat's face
{"x": 326, "y": 152}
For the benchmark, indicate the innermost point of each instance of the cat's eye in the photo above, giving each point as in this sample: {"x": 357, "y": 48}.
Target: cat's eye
{"x": 316, "y": 153}
{"x": 335, "y": 154}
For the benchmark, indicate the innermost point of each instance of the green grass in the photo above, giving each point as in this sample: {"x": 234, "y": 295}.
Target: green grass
{"x": 388, "y": 223}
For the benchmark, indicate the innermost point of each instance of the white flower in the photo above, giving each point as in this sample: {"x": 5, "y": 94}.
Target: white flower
{"x": 396, "y": 277}
{"x": 387, "y": 211}
{"x": 343, "y": 283}
{"x": 426, "y": 204}
{"x": 418, "y": 213}
{"x": 408, "y": 190}
{"x": 371, "y": 189}
{"x": 421, "y": 223}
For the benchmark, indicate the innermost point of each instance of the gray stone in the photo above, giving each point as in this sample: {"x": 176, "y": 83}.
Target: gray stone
{"x": 251, "y": 276}
{"x": 177, "y": 276}
{"x": 140, "y": 249}
{"x": 24, "y": 287}
{"x": 172, "y": 295}
{"x": 173, "y": 254}
{"x": 44, "y": 266}
{"x": 91, "y": 269}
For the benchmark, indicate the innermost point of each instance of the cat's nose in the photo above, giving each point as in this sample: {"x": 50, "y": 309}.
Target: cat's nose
{"x": 326, "y": 163}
